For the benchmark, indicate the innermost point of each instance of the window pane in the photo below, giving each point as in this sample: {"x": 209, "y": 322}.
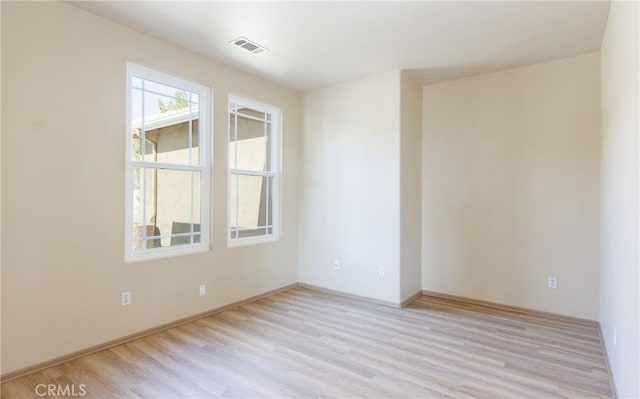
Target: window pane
{"x": 178, "y": 211}
{"x": 170, "y": 131}
{"x": 233, "y": 202}
{"x": 136, "y": 124}
{"x": 232, "y": 140}
{"x": 195, "y": 146}
{"x": 251, "y": 144}
{"x": 258, "y": 231}
{"x": 252, "y": 113}
{"x": 268, "y": 167}
{"x": 171, "y": 200}
{"x": 269, "y": 201}
{"x": 170, "y": 124}
{"x": 168, "y": 91}
{"x": 161, "y": 106}
{"x": 250, "y": 205}
{"x": 144, "y": 207}
{"x": 195, "y": 216}
{"x": 251, "y": 202}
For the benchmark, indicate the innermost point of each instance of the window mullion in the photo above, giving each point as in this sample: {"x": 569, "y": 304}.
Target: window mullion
{"x": 171, "y": 235}
{"x": 167, "y": 166}
{"x": 252, "y": 172}
{"x": 255, "y": 118}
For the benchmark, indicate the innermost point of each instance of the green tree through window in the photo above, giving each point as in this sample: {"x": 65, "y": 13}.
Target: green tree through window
{"x": 179, "y": 103}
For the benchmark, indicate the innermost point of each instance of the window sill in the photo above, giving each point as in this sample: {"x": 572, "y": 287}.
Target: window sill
{"x": 164, "y": 253}
{"x": 243, "y": 242}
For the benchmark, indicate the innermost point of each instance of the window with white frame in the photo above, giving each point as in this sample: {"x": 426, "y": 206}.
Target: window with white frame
{"x": 254, "y": 175}
{"x": 168, "y": 160}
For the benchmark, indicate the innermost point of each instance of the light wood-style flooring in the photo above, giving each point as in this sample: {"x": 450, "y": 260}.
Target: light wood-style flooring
{"x": 304, "y": 343}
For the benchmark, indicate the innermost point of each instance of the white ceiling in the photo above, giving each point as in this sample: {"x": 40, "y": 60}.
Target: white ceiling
{"x": 315, "y": 44}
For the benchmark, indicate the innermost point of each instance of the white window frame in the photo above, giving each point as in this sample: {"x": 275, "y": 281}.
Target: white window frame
{"x": 276, "y": 134}
{"x": 205, "y": 150}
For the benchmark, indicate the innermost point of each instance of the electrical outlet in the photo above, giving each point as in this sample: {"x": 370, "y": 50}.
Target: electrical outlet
{"x": 125, "y": 298}
{"x": 203, "y": 290}
{"x": 552, "y": 282}
{"x": 336, "y": 265}
{"x": 381, "y": 271}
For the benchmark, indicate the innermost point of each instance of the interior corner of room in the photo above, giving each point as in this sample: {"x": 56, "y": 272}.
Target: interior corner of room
{"x": 518, "y": 186}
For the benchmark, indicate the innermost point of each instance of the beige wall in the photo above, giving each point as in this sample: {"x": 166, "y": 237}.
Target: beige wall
{"x": 619, "y": 262}
{"x": 351, "y": 198}
{"x": 511, "y": 186}
{"x": 63, "y": 108}
{"x": 410, "y": 187}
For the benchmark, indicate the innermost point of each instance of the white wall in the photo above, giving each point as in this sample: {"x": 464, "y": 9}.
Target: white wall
{"x": 350, "y": 189}
{"x": 410, "y": 188}
{"x": 511, "y": 186}
{"x": 619, "y": 262}
{"x": 63, "y": 132}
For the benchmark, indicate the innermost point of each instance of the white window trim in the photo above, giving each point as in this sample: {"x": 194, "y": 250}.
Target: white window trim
{"x": 276, "y": 131}
{"x": 206, "y": 149}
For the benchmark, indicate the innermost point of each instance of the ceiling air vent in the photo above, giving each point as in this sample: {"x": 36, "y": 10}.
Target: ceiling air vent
{"x": 246, "y": 44}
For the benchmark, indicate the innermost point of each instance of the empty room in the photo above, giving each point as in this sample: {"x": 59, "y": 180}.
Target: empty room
{"x": 302, "y": 199}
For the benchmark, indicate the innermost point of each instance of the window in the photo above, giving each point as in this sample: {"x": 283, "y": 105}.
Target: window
{"x": 254, "y": 177}
{"x": 168, "y": 165}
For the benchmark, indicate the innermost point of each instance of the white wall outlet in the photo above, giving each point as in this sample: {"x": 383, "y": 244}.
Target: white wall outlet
{"x": 202, "y": 290}
{"x": 336, "y": 265}
{"x": 615, "y": 336}
{"x": 381, "y": 271}
{"x": 552, "y": 282}
{"x": 125, "y": 298}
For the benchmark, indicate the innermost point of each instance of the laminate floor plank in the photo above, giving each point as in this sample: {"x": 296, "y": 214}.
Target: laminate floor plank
{"x": 304, "y": 343}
